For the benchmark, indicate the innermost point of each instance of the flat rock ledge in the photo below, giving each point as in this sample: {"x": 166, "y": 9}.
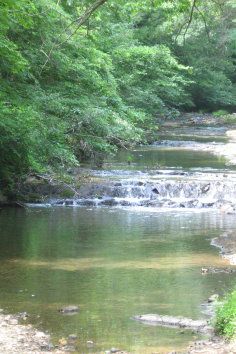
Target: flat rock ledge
{"x": 16, "y": 338}
{"x": 177, "y": 322}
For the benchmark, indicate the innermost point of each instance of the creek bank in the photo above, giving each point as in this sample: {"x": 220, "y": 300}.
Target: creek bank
{"x": 227, "y": 244}
{"x": 215, "y": 345}
{"x": 228, "y": 150}
{"x": 16, "y": 338}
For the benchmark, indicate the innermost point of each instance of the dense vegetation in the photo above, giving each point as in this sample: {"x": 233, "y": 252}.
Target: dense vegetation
{"x": 226, "y": 317}
{"x": 80, "y": 78}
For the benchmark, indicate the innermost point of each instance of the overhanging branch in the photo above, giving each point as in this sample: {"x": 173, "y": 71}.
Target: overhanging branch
{"x": 190, "y": 18}
{"x": 78, "y": 22}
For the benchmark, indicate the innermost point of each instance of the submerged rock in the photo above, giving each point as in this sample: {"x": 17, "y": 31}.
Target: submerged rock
{"x": 171, "y": 321}
{"x": 213, "y": 298}
{"x": 73, "y": 337}
{"x": 213, "y": 270}
{"x": 69, "y": 309}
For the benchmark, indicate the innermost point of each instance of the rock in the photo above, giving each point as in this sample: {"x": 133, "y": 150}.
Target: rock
{"x": 206, "y": 188}
{"x": 227, "y": 209}
{"x": 69, "y": 309}
{"x": 114, "y": 350}
{"x": 72, "y": 337}
{"x": 90, "y": 343}
{"x": 109, "y": 202}
{"x": 47, "y": 347}
{"x": 140, "y": 183}
{"x": 155, "y": 190}
{"x": 205, "y": 270}
{"x": 41, "y": 335}
{"x": 62, "y": 341}
{"x": 213, "y": 298}
{"x": 23, "y": 315}
{"x": 171, "y": 321}
{"x": 213, "y": 270}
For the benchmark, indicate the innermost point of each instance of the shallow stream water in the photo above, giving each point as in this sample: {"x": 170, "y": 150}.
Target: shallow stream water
{"x": 116, "y": 262}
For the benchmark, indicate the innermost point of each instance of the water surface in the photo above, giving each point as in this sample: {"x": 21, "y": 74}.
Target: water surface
{"x": 115, "y": 263}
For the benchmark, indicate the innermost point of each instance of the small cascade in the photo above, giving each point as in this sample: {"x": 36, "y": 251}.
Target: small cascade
{"x": 169, "y": 174}
{"x": 162, "y": 193}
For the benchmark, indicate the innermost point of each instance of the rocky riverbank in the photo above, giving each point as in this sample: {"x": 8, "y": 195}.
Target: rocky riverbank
{"x": 16, "y": 338}
{"x": 228, "y": 150}
{"x": 227, "y": 244}
{"x": 213, "y": 346}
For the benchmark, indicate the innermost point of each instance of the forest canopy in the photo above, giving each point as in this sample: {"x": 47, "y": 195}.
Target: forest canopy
{"x": 80, "y": 78}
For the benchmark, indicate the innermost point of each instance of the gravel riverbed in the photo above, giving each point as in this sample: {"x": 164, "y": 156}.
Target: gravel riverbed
{"x": 21, "y": 339}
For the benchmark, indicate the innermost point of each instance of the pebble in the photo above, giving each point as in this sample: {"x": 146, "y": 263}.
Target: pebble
{"x": 47, "y": 347}
{"x": 72, "y": 337}
{"x": 62, "y": 341}
{"x": 213, "y": 298}
{"x": 69, "y": 309}
{"x": 90, "y": 343}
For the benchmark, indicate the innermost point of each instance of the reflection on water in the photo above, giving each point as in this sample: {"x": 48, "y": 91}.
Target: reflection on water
{"x": 114, "y": 264}
{"x": 162, "y": 157}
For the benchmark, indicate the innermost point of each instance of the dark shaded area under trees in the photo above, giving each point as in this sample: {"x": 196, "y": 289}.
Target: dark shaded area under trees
{"x": 80, "y": 78}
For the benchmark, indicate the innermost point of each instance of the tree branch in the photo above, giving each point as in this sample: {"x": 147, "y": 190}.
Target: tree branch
{"x": 205, "y": 23}
{"x": 190, "y": 18}
{"x": 179, "y": 32}
{"x": 79, "y": 22}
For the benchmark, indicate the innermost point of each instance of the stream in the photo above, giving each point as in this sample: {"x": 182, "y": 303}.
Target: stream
{"x": 132, "y": 243}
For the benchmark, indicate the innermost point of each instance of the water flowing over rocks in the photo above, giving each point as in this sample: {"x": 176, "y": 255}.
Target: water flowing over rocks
{"x": 217, "y": 193}
{"x": 155, "y": 187}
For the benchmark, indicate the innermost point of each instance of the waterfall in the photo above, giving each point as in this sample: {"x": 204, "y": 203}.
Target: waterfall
{"x": 172, "y": 193}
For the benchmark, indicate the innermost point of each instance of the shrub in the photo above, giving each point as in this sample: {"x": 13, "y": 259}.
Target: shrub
{"x": 226, "y": 317}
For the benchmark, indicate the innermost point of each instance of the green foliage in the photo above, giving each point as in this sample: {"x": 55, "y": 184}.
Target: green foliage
{"x": 220, "y": 113}
{"x": 226, "y": 317}
{"x": 27, "y": 142}
{"x": 228, "y": 118}
{"x": 206, "y": 43}
{"x": 71, "y": 93}
{"x": 151, "y": 78}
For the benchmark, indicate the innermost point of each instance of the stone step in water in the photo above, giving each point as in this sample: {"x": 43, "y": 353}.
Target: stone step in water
{"x": 177, "y": 193}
